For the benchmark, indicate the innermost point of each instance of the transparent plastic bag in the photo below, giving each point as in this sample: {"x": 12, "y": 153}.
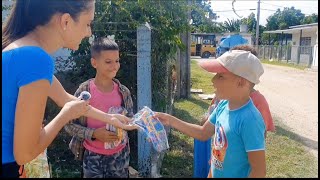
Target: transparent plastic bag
{"x": 122, "y": 134}
{"x": 153, "y": 128}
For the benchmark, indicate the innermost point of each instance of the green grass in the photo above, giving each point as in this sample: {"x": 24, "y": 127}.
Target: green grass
{"x": 201, "y": 79}
{"x": 279, "y": 63}
{"x": 285, "y": 155}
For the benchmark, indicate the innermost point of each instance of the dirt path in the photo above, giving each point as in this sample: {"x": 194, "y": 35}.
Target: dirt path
{"x": 293, "y": 99}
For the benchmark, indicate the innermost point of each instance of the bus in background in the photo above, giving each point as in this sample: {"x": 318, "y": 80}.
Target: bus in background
{"x": 203, "y": 44}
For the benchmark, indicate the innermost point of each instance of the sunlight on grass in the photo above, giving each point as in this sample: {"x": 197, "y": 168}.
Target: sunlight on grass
{"x": 201, "y": 79}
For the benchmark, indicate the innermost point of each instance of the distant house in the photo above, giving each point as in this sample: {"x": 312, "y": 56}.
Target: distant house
{"x": 304, "y": 43}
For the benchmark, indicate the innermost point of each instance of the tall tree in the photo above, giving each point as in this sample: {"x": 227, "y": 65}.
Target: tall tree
{"x": 251, "y": 22}
{"x": 284, "y": 19}
{"x": 313, "y": 18}
{"x": 232, "y": 25}
{"x": 203, "y": 17}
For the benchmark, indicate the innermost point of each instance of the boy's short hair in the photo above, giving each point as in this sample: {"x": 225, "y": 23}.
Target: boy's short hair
{"x": 239, "y": 62}
{"x": 246, "y": 48}
{"x": 102, "y": 44}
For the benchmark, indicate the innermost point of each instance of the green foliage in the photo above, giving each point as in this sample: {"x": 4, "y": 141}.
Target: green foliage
{"x": 251, "y": 22}
{"x": 313, "y": 18}
{"x": 232, "y": 25}
{"x": 202, "y": 18}
{"x": 285, "y": 18}
{"x": 167, "y": 19}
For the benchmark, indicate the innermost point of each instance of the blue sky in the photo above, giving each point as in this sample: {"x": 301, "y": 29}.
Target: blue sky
{"x": 242, "y": 8}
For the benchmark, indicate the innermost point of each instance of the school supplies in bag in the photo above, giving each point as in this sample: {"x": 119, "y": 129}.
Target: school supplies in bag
{"x": 152, "y": 127}
{"x": 122, "y": 134}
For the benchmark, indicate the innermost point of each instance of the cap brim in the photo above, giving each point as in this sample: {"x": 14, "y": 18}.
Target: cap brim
{"x": 213, "y": 66}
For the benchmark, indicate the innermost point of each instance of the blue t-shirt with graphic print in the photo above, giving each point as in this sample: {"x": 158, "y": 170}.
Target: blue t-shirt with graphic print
{"x": 237, "y": 132}
{"x": 20, "y": 66}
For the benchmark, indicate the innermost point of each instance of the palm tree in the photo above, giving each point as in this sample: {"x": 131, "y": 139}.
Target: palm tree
{"x": 232, "y": 25}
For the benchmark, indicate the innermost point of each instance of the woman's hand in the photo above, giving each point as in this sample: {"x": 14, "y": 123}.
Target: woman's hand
{"x": 123, "y": 122}
{"x": 74, "y": 109}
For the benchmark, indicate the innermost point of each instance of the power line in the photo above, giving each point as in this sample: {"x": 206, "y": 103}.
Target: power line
{"x": 272, "y": 4}
{"x": 284, "y": 6}
{"x": 246, "y": 10}
{"x": 287, "y": 7}
{"x": 237, "y": 10}
{"x": 268, "y": 9}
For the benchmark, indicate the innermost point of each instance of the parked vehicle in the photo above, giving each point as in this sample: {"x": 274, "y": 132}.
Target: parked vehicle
{"x": 203, "y": 44}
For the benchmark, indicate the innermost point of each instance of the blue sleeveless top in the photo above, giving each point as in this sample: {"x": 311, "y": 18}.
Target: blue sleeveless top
{"x": 20, "y": 67}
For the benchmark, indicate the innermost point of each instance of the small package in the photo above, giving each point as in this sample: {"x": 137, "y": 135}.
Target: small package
{"x": 153, "y": 128}
{"x": 122, "y": 134}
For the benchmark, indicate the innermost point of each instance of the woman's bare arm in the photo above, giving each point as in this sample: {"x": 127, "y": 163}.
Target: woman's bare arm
{"x": 29, "y": 139}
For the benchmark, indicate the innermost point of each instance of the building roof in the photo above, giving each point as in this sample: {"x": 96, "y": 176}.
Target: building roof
{"x": 203, "y": 34}
{"x": 293, "y": 29}
{"x": 303, "y": 25}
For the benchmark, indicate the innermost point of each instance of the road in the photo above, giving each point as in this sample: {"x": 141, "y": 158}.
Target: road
{"x": 292, "y": 95}
{"x": 293, "y": 99}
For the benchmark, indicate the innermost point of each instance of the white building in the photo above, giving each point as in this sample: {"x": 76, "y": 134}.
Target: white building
{"x": 304, "y": 43}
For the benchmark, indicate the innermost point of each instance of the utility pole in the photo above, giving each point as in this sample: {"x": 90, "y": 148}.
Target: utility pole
{"x": 257, "y": 27}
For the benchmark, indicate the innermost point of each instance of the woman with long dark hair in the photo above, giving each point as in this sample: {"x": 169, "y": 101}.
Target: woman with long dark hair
{"x": 35, "y": 29}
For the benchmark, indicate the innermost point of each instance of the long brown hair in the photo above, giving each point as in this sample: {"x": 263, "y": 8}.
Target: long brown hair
{"x": 26, "y": 15}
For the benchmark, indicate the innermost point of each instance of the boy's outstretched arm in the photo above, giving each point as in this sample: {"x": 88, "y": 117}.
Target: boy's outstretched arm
{"x": 198, "y": 132}
{"x": 258, "y": 164}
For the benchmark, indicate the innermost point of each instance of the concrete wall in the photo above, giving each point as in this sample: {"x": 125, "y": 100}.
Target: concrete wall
{"x": 304, "y": 58}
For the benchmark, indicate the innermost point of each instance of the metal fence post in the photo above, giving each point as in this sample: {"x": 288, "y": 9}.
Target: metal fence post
{"x": 310, "y": 57}
{"x": 144, "y": 95}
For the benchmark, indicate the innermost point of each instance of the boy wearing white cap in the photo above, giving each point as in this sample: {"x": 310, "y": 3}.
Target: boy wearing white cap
{"x": 238, "y": 147}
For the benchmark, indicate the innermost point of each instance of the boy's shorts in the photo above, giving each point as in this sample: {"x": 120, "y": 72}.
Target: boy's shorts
{"x": 106, "y": 166}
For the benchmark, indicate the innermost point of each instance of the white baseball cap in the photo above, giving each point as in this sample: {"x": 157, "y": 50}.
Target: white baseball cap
{"x": 239, "y": 62}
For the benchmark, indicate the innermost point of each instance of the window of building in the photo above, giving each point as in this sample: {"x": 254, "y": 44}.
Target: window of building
{"x": 305, "y": 45}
